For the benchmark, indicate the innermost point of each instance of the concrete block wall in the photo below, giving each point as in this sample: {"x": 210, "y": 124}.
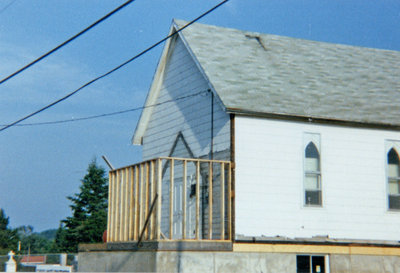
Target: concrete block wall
{"x": 220, "y": 262}
{"x": 186, "y": 261}
{"x": 364, "y": 264}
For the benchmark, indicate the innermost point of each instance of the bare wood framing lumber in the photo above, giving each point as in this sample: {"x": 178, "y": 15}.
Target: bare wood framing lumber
{"x": 184, "y": 187}
{"x": 222, "y": 204}
{"x": 194, "y": 159}
{"x": 132, "y": 188}
{"x": 159, "y": 191}
{"x": 122, "y": 205}
{"x": 147, "y": 219}
{"x": 171, "y": 198}
{"x": 131, "y": 204}
{"x": 317, "y": 249}
{"x": 117, "y": 209}
{"x": 210, "y": 199}
{"x": 178, "y": 158}
{"x": 197, "y": 200}
{"x": 141, "y": 209}
{"x": 147, "y": 192}
{"x": 107, "y": 162}
{"x": 229, "y": 201}
{"x": 126, "y": 204}
{"x": 137, "y": 204}
{"x": 153, "y": 193}
{"x": 110, "y": 207}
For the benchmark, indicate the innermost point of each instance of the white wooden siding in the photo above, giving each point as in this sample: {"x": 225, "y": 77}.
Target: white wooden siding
{"x": 190, "y": 116}
{"x": 269, "y": 181}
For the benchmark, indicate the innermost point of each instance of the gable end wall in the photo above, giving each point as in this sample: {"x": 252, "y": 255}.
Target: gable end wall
{"x": 190, "y": 116}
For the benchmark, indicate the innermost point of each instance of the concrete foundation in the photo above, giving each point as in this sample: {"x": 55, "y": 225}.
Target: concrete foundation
{"x": 172, "y": 261}
{"x": 219, "y": 257}
{"x": 364, "y": 264}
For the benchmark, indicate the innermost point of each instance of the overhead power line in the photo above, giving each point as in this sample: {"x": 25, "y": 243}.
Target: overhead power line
{"x": 108, "y": 114}
{"x": 66, "y": 42}
{"x": 114, "y": 69}
{"x": 7, "y": 6}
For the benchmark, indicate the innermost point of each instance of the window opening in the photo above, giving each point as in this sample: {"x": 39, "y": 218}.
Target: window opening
{"x": 312, "y": 179}
{"x": 393, "y": 171}
{"x": 310, "y": 264}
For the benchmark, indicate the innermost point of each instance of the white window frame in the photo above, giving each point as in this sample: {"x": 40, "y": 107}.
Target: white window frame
{"x": 316, "y": 139}
{"x": 390, "y": 144}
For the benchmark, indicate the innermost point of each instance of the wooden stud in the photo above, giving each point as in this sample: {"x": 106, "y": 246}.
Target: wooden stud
{"x": 126, "y": 205}
{"x": 141, "y": 208}
{"x": 151, "y": 197}
{"x": 171, "y": 198}
{"x": 131, "y": 204}
{"x": 137, "y": 204}
{"x": 153, "y": 194}
{"x": 110, "y": 207}
{"x": 222, "y": 200}
{"x": 229, "y": 201}
{"x": 210, "y": 197}
{"x": 197, "y": 200}
{"x": 184, "y": 187}
{"x": 146, "y": 199}
{"x": 121, "y": 205}
{"x": 117, "y": 209}
{"x": 159, "y": 191}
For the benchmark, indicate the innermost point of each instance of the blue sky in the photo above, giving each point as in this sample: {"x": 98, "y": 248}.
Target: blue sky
{"x": 41, "y": 165}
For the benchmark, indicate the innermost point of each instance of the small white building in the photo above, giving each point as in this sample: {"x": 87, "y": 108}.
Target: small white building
{"x": 307, "y": 135}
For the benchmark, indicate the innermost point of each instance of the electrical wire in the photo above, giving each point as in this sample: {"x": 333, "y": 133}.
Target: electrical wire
{"x": 114, "y": 69}
{"x": 108, "y": 114}
{"x": 7, "y": 6}
{"x": 66, "y": 42}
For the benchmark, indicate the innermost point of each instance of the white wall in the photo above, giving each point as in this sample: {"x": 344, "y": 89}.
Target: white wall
{"x": 191, "y": 116}
{"x": 269, "y": 181}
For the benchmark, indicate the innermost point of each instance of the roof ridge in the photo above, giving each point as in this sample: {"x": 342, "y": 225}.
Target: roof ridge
{"x": 181, "y": 22}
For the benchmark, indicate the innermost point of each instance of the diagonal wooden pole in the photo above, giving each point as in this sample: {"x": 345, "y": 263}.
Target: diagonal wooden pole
{"x": 147, "y": 220}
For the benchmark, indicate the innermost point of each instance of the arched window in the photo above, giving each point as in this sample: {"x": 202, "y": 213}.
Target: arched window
{"x": 312, "y": 176}
{"x": 393, "y": 171}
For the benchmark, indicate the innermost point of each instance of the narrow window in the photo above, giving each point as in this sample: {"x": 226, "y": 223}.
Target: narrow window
{"x": 393, "y": 172}
{"x": 312, "y": 176}
{"x": 310, "y": 264}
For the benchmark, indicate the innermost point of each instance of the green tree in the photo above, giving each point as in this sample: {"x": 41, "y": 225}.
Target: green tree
{"x": 89, "y": 212}
{"x": 33, "y": 242}
{"x": 8, "y": 237}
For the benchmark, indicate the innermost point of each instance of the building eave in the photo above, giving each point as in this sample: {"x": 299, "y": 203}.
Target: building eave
{"x": 313, "y": 119}
{"x": 153, "y": 92}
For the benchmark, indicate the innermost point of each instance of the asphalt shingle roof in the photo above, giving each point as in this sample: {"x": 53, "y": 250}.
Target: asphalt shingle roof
{"x": 280, "y": 75}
